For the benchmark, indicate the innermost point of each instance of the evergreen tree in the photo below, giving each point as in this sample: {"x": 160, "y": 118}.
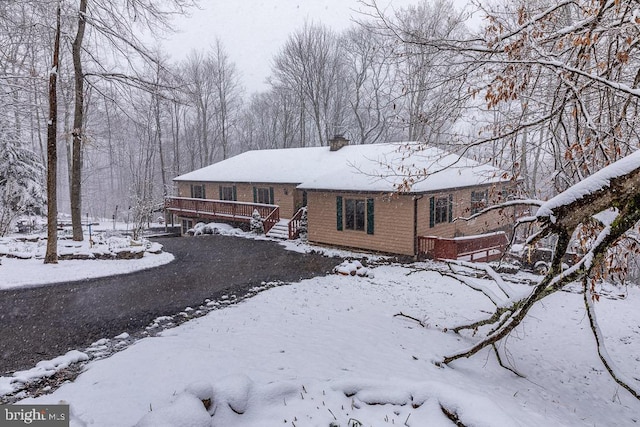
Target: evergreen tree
{"x": 21, "y": 187}
{"x": 256, "y": 223}
{"x": 304, "y": 225}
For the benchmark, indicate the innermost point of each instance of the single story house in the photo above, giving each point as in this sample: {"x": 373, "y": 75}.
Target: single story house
{"x": 395, "y": 198}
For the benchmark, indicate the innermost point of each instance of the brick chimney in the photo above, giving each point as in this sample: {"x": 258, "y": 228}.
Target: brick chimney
{"x": 337, "y": 142}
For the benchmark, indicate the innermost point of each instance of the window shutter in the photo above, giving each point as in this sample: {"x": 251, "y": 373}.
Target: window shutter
{"x": 271, "y": 198}
{"x": 192, "y": 192}
{"x": 369, "y": 216}
{"x": 450, "y": 207}
{"x": 432, "y": 212}
{"x": 220, "y": 192}
{"x": 235, "y": 193}
{"x": 255, "y": 195}
{"x": 203, "y": 194}
{"x": 339, "y": 213}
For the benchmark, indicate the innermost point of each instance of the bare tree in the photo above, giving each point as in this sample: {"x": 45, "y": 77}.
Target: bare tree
{"x": 427, "y": 77}
{"x": 270, "y": 120}
{"x": 229, "y": 96}
{"x": 369, "y": 65}
{"x": 78, "y": 117}
{"x": 201, "y": 92}
{"x": 310, "y": 65}
{"x": 51, "y": 255}
{"x": 112, "y": 24}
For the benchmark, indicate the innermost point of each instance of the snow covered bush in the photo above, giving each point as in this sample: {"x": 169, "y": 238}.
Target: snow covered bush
{"x": 201, "y": 228}
{"x": 143, "y": 208}
{"x": 21, "y": 187}
{"x": 196, "y": 230}
{"x": 353, "y": 268}
{"x": 304, "y": 225}
{"x": 256, "y": 223}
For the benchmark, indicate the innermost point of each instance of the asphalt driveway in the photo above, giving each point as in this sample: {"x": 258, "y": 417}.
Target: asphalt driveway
{"x": 44, "y": 322}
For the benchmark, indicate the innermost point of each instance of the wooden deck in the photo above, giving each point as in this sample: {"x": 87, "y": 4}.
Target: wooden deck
{"x": 224, "y": 210}
{"x": 479, "y": 248}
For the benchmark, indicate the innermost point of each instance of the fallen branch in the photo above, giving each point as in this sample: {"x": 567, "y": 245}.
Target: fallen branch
{"x": 452, "y": 415}
{"x": 495, "y": 318}
{"x": 556, "y": 279}
{"x": 486, "y": 269}
{"x": 418, "y": 321}
{"x": 508, "y": 368}
{"x": 623, "y": 381}
{"x": 495, "y": 299}
{"x": 520, "y": 308}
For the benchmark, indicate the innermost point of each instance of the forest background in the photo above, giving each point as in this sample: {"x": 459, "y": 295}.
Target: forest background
{"x": 543, "y": 90}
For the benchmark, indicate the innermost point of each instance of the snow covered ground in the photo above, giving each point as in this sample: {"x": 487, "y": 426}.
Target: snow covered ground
{"x": 330, "y": 352}
{"x": 21, "y": 261}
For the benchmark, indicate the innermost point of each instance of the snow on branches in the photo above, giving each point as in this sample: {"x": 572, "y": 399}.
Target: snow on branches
{"x": 20, "y": 180}
{"x": 615, "y": 188}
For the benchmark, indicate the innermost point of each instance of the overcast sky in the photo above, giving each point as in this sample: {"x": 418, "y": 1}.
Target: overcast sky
{"x": 252, "y": 31}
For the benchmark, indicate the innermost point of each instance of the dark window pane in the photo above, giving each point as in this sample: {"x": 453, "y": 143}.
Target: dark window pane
{"x": 478, "y": 201}
{"x": 359, "y": 215}
{"x": 350, "y": 210}
{"x": 442, "y": 210}
{"x": 227, "y": 193}
{"x": 197, "y": 191}
{"x": 264, "y": 196}
{"x": 370, "y": 221}
{"x": 355, "y": 211}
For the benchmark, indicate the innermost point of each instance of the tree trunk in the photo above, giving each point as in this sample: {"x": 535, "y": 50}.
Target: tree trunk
{"x": 78, "y": 116}
{"x": 175, "y": 127}
{"x": 51, "y": 255}
{"x": 163, "y": 172}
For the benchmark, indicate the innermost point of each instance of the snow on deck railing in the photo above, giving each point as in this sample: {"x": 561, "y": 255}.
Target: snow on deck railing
{"x": 234, "y": 202}
{"x": 481, "y": 247}
{"x": 223, "y": 209}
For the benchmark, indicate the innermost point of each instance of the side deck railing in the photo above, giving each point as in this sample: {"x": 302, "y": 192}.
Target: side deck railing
{"x": 222, "y": 210}
{"x": 478, "y": 248}
{"x": 295, "y": 223}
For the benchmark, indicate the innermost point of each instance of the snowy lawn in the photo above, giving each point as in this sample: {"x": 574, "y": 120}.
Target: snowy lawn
{"x": 330, "y": 352}
{"x": 21, "y": 262}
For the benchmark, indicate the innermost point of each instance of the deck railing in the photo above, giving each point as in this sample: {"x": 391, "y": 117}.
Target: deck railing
{"x": 223, "y": 210}
{"x": 482, "y": 247}
{"x": 295, "y": 223}
{"x": 270, "y": 220}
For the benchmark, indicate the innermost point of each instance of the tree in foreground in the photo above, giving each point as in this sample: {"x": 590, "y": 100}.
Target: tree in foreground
{"x": 571, "y": 213}
{"x": 554, "y": 88}
{"x": 51, "y": 255}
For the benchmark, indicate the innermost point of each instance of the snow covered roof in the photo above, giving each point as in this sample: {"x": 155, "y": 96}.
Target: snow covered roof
{"x": 371, "y": 167}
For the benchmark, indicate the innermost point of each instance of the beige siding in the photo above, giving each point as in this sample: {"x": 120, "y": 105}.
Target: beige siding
{"x": 393, "y": 223}
{"x": 393, "y": 216}
{"x": 184, "y": 189}
{"x": 285, "y": 195}
{"x": 461, "y": 208}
